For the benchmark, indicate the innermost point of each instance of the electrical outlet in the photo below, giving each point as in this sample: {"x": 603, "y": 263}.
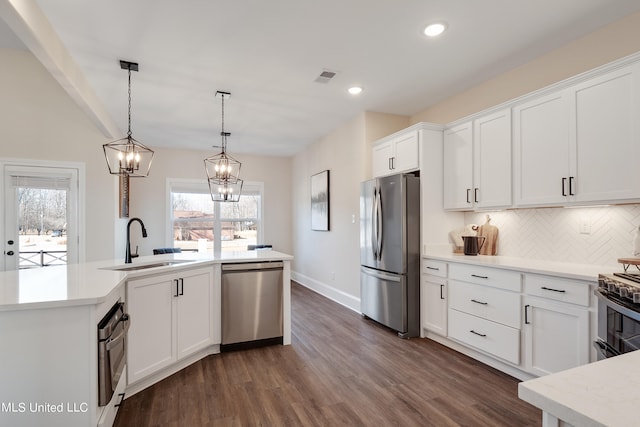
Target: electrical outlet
{"x": 585, "y": 226}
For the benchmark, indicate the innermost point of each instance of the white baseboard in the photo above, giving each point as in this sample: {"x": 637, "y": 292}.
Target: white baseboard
{"x": 330, "y": 292}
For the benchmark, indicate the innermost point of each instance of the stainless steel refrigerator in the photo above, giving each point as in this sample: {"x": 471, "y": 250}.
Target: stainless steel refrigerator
{"x": 390, "y": 252}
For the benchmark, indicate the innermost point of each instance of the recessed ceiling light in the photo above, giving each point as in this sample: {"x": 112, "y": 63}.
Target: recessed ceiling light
{"x": 355, "y": 90}
{"x": 435, "y": 29}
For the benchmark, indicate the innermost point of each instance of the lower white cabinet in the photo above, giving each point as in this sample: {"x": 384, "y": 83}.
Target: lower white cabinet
{"x": 556, "y": 336}
{"x": 171, "y": 318}
{"x": 433, "y": 292}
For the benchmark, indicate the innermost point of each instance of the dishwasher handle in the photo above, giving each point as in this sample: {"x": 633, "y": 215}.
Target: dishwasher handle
{"x": 248, "y": 266}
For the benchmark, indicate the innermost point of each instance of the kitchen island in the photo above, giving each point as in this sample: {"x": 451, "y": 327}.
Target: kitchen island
{"x": 48, "y": 333}
{"x": 602, "y": 393}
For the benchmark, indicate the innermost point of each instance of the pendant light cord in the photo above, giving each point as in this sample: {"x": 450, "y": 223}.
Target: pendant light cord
{"x": 224, "y": 136}
{"x": 129, "y": 131}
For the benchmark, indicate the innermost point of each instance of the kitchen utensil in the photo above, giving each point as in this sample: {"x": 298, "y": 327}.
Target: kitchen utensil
{"x": 490, "y": 232}
{"x": 473, "y": 244}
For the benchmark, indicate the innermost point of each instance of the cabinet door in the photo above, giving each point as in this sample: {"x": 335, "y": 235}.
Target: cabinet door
{"x": 606, "y": 137}
{"x": 492, "y": 160}
{"x": 458, "y": 167}
{"x": 556, "y": 336}
{"x": 194, "y": 314}
{"x": 541, "y": 151}
{"x": 406, "y": 155}
{"x": 434, "y": 304}
{"x": 382, "y": 155}
{"x": 151, "y": 337}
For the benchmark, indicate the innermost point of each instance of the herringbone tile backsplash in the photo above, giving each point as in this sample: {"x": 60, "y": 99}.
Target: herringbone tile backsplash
{"x": 596, "y": 235}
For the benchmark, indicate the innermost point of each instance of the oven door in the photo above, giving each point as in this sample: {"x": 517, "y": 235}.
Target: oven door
{"x": 618, "y": 328}
{"x": 112, "y": 333}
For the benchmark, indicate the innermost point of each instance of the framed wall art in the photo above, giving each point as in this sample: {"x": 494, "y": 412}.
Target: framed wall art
{"x": 320, "y": 201}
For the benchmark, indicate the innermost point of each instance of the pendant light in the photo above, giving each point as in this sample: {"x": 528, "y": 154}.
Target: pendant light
{"x": 127, "y": 157}
{"x": 223, "y": 171}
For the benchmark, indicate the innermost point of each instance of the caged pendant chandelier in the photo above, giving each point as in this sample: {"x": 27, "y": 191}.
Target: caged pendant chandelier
{"x": 127, "y": 157}
{"x": 223, "y": 171}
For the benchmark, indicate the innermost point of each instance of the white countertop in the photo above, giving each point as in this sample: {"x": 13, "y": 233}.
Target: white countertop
{"x": 588, "y": 272}
{"x": 91, "y": 283}
{"x": 603, "y": 393}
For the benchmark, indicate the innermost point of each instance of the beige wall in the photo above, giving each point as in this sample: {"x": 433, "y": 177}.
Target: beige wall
{"x": 38, "y": 120}
{"x": 149, "y": 195}
{"x": 609, "y": 43}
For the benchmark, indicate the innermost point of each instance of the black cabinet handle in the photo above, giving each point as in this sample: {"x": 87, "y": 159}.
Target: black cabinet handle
{"x": 526, "y": 317}
{"x": 177, "y": 294}
{"x": 479, "y": 302}
{"x": 433, "y": 268}
{"x": 571, "y": 186}
{"x": 562, "y": 291}
{"x": 121, "y": 400}
{"x": 479, "y": 277}
{"x": 181, "y": 286}
{"x": 475, "y": 195}
{"x": 564, "y": 181}
{"x": 478, "y": 333}
{"x": 9, "y": 253}
{"x": 441, "y": 289}
{"x": 468, "y": 190}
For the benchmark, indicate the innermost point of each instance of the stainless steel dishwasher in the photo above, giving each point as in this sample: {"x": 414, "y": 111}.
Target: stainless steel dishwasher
{"x": 251, "y": 304}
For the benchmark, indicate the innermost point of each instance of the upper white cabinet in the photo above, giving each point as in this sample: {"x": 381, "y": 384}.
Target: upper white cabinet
{"x": 396, "y": 154}
{"x": 458, "y": 167}
{"x": 605, "y": 137}
{"x": 580, "y": 144}
{"x": 477, "y": 163}
{"x": 492, "y": 160}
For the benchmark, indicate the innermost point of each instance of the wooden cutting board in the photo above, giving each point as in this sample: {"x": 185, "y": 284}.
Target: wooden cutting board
{"x": 490, "y": 232}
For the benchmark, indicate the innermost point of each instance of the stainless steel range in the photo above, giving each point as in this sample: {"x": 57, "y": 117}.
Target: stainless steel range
{"x": 618, "y": 314}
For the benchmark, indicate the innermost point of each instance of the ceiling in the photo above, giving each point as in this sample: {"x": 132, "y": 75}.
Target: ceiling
{"x": 269, "y": 53}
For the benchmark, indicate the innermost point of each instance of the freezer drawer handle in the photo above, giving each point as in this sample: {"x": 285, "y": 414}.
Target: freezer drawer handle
{"x": 479, "y": 302}
{"x": 478, "y": 333}
{"x": 554, "y": 290}
{"x": 382, "y": 276}
{"x": 479, "y": 277}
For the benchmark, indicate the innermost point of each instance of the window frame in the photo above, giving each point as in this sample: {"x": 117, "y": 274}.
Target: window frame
{"x": 201, "y": 187}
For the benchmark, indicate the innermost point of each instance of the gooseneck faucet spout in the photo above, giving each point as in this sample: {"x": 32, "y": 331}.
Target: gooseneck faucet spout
{"x": 127, "y": 257}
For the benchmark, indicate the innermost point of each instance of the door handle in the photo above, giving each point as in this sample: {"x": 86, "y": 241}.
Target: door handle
{"x": 468, "y": 190}
{"x": 564, "y": 182}
{"x": 475, "y": 195}
{"x": 571, "y": 193}
{"x": 526, "y": 317}
{"x": 374, "y": 223}
{"x": 10, "y": 253}
{"x": 379, "y": 222}
{"x": 181, "y": 286}
{"x": 177, "y": 294}
{"x": 441, "y": 289}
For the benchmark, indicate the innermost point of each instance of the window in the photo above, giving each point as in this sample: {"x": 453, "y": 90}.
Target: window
{"x": 199, "y": 224}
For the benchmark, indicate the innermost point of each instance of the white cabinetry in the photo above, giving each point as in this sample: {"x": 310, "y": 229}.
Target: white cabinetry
{"x": 172, "y": 317}
{"x": 458, "y": 167}
{"x": 484, "y": 311}
{"x": 580, "y": 144}
{"x": 556, "y": 324}
{"x": 396, "y": 154}
{"x": 433, "y": 294}
{"x": 477, "y": 163}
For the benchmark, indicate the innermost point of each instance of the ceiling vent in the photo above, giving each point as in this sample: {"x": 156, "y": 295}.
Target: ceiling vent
{"x": 325, "y": 76}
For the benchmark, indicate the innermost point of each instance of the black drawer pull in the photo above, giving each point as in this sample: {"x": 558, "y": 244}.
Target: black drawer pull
{"x": 479, "y": 277}
{"x": 433, "y": 268}
{"x": 479, "y": 302}
{"x": 526, "y": 317}
{"x": 121, "y": 400}
{"x": 564, "y": 182}
{"x": 478, "y": 333}
{"x": 441, "y": 289}
{"x": 554, "y": 290}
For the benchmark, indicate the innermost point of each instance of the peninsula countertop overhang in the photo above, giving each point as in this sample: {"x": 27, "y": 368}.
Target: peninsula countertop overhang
{"x": 92, "y": 282}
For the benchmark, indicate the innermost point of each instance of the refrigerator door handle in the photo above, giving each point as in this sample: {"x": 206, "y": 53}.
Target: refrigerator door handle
{"x": 381, "y": 275}
{"x": 379, "y": 230}
{"x": 374, "y": 221}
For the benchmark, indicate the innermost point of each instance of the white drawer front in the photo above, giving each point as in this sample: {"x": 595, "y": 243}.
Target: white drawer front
{"x": 557, "y": 288}
{"x": 435, "y": 268}
{"x": 496, "y": 277}
{"x": 489, "y": 303}
{"x": 494, "y": 338}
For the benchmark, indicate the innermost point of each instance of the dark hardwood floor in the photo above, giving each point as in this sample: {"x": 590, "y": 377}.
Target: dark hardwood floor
{"x": 340, "y": 370}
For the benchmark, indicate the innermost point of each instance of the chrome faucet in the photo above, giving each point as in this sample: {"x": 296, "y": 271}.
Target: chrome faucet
{"x": 127, "y": 257}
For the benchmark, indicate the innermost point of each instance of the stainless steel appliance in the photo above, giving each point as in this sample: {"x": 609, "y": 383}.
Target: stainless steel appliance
{"x": 618, "y": 314}
{"x": 390, "y": 252}
{"x": 251, "y": 304}
{"x": 112, "y": 337}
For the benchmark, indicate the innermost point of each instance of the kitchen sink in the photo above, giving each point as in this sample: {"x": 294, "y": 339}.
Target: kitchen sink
{"x": 145, "y": 266}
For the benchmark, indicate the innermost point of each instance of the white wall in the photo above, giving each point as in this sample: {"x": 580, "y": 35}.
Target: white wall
{"x": 38, "y": 120}
{"x": 148, "y": 196}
